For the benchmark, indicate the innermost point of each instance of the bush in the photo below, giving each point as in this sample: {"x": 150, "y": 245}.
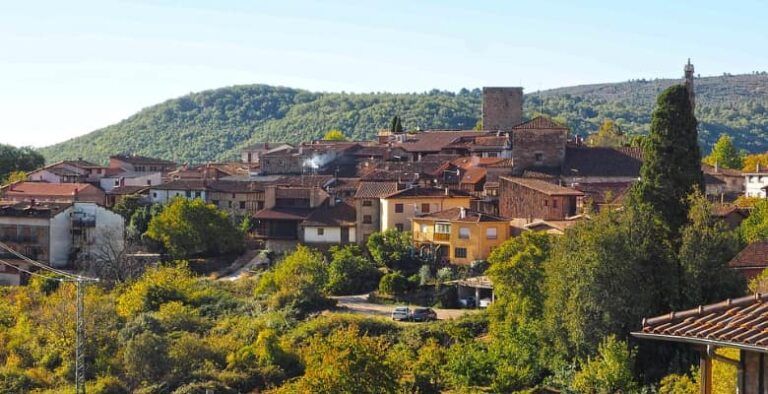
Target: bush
{"x": 609, "y": 372}
{"x": 350, "y": 272}
{"x": 107, "y": 384}
{"x": 393, "y": 283}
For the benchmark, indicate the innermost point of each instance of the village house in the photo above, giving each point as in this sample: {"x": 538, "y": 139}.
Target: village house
{"x": 732, "y": 324}
{"x": 398, "y": 208}
{"x": 755, "y": 183}
{"x": 54, "y": 233}
{"x": 752, "y": 260}
{"x": 237, "y": 197}
{"x": 278, "y": 225}
{"x": 136, "y": 163}
{"x": 68, "y": 171}
{"x": 332, "y": 223}
{"x": 189, "y": 188}
{"x": 458, "y": 235}
{"x": 251, "y": 154}
{"x": 367, "y": 202}
{"x": 117, "y": 178}
{"x": 52, "y": 192}
{"x": 731, "y": 182}
{"x": 315, "y": 158}
{"x": 531, "y": 199}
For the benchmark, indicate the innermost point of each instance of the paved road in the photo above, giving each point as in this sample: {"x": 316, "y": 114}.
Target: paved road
{"x": 359, "y": 304}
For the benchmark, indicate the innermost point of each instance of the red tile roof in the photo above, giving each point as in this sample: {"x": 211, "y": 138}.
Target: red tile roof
{"x": 755, "y": 255}
{"x": 183, "y": 184}
{"x": 545, "y": 187}
{"x": 434, "y": 141}
{"x": 375, "y": 189}
{"x": 421, "y": 192}
{"x": 474, "y": 175}
{"x": 341, "y": 214}
{"x": 282, "y": 214}
{"x": 47, "y": 189}
{"x": 474, "y": 161}
{"x": 740, "y": 323}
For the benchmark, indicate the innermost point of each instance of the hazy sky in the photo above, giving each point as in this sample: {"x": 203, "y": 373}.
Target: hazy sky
{"x": 69, "y": 67}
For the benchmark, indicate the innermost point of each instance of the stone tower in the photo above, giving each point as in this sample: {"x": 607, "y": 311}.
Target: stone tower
{"x": 502, "y": 108}
{"x": 689, "y": 85}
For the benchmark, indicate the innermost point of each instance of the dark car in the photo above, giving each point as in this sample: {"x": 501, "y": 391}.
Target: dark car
{"x": 423, "y": 314}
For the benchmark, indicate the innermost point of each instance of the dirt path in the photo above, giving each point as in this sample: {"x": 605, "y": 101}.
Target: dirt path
{"x": 359, "y": 304}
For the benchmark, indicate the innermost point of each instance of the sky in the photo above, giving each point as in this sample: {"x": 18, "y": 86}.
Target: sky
{"x": 70, "y": 67}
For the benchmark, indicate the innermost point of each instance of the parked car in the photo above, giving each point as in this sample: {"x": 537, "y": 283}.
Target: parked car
{"x": 401, "y": 313}
{"x": 485, "y": 302}
{"x": 423, "y": 314}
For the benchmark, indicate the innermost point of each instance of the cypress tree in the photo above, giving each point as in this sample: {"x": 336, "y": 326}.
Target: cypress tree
{"x": 672, "y": 160}
{"x": 396, "y": 126}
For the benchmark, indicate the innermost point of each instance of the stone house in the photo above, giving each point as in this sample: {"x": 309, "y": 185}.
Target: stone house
{"x": 367, "y": 201}
{"x": 68, "y": 171}
{"x": 752, "y": 260}
{"x": 532, "y": 199}
{"x": 186, "y": 188}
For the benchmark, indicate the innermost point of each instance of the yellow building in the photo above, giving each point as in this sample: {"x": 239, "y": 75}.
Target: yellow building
{"x": 459, "y": 235}
{"x": 397, "y": 209}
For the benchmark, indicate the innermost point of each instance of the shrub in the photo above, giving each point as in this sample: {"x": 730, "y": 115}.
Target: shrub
{"x": 393, "y": 283}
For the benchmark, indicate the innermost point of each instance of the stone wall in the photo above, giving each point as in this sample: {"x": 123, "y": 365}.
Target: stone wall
{"x": 538, "y": 148}
{"x": 519, "y": 202}
{"x": 502, "y": 107}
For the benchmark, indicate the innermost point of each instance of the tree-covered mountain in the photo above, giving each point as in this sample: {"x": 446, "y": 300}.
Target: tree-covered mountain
{"x": 214, "y": 124}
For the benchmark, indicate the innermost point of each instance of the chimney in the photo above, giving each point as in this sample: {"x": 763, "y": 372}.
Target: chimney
{"x": 462, "y": 213}
{"x": 446, "y": 190}
{"x": 716, "y": 166}
{"x": 757, "y": 166}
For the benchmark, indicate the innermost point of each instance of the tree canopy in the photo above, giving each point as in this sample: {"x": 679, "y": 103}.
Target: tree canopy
{"x": 725, "y": 154}
{"x": 18, "y": 160}
{"x": 334, "y": 135}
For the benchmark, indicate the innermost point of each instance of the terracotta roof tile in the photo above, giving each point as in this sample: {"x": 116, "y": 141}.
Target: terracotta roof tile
{"x": 375, "y": 189}
{"x": 183, "y": 184}
{"x": 434, "y": 141}
{"x": 474, "y": 175}
{"x": 341, "y": 214}
{"x": 755, "y": 255}
{"x": 740, "y": 322}
{"x": 544, "y": 186}
{"x": 282, "y": 214}
{"x": 46, "y": 189}
{"x": 419, "y": 192}
{"x": 454, "y": 215}
{"x": 474, "y": 161}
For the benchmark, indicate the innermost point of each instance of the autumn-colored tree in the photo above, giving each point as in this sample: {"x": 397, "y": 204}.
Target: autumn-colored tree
{"x": 608, "y": 135}
{"x": 755, "y": 163}
{"x": 725, "y": 154}
{"x": 334, "y": 135}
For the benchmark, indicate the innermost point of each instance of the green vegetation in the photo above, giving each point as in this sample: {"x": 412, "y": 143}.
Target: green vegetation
{"x": 334, "y": 135}
{"x": 15, "y": 161}
{"x": 211, "y": 125}
{"x": 190, "y": 227}
{"x": 724, "y": 154}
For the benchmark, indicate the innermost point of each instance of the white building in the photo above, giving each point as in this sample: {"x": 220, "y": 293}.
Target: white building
{"x": 186, "y": 188}
{"x": 129, "y": 178}
{"x": 755, "y": 183}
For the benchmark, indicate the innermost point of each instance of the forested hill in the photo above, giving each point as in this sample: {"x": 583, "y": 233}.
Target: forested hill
{"x": 212, "y": 125}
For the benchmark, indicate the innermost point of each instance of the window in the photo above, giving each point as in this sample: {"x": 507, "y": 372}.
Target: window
{"x": 198, "y": 194}
{"x": 443, "y": 228}
{"x": 320, "y": 231}
{"x": 424, "y": 228}
{"x": 398, "y": 208}
{"x": 425, "y": 207}
{"x": 490, "y": 233}
{"x": 399, "y": 226}
{"x": 188, "y": 194}
{"x": 367, "y": 219}
{"x": 117, "y": 182}
{"x": 460, "y": 253}
{"x": 539, "y": 157}
{"x": 215, "y": 202}
{"x": 463, "y": 232}
{"x": 367, "y": 203}
{"x": 546, "y": 203}
{"x": 242, "y": 204}
{"x": 154, "y": 195}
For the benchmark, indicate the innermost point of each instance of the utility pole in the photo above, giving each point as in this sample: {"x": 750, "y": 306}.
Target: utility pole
{"x": 80, "y": 335}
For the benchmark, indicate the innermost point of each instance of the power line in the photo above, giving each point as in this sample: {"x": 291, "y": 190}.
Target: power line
{"x": 30, "y": 272}
{"x": 37, "y": 263}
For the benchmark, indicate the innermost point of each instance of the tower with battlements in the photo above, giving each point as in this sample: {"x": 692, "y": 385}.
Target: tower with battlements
{"x": 689, "y": 84}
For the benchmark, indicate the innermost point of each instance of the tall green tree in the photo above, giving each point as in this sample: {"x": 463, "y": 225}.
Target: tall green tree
{"x": 14, "y": 159}
{"x": 755, "y": 227}
{"x": 725, "y": 154}
{"x": 393, "y": 249}
{"x": 350, "y": 272}
{"x": 672, "y": 161}
{"x": 192, "y": 227}
{"x": 396, "y": 126}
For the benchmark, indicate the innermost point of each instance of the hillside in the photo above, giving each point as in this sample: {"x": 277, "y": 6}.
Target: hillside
{"x": 213, "y": 124}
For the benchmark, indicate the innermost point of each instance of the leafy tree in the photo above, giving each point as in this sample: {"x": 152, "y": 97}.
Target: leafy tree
{"x": 678, "y": 384}
{"x": 350, "y": 272}
{"x": 755, "y": 227}
{"x": 468, "y": 364}
{"x": 192, "y": 227}
{"x": 334, "y": 135}
{"x": 671, "y": 166}
{"x": 755, "y": 162}
{"x": 146, "y": 358}
{"x": 393, "y": 249}
{"x": 16, "y": 176}
{"x": 608, "y": 135}
{"x": 725, "y": 154}
{"x": 298, "y": 281}
{"x": 707, "y": 245}
{"x": 609, "y": 372}
{"x": 345, "y": 362}
{"x": 127, "y": 206}
{"x": 393, "y": 283}
{"x": 14, "y": 160}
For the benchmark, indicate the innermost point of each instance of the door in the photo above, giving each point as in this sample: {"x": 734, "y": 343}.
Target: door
{"x": 345, "y": 235}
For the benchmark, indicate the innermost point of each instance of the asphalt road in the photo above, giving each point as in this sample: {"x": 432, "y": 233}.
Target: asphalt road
{"x": 359, "y": 304}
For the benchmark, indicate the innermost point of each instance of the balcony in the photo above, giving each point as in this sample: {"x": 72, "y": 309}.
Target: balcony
{"x": 442, "y": 237}
{"x": 81, "y": 222}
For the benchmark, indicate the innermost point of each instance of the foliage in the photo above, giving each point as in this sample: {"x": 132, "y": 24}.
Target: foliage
{"x": 190, "y": 227}
{"x": 397, "y": 125}
{"x": 671, "y": 164}
{"x": 679, "y": 384}
{"x": 755, "y": 163}
{"x": 609, "y": 135}
{"x": 759, "y": 284}
{"x": 297, "y": 281}
{"x": 345, "y": 362}
{"x": 334, "y": 135}
{"x": 755, "y": 227}
{"x": 393, "y": 249}
{"x": 14, "y": 160}
{"x": 146, "y": 357}
{"x": 706, "y": 247}
{"x": 747, "y": 202}
{"x": 609, "y": 372}
{"x": 393, "y": 283}
{"x": 350, "y": 272}
{"x": 127, "y": 206}
{"x": 725, "y": 154}
{"x": 425, "y": 275}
